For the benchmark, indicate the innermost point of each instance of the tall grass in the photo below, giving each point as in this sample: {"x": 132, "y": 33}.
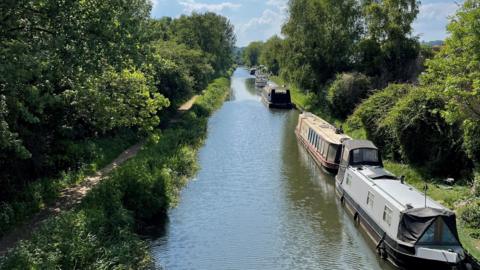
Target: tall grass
{"x": 100, "y": 232}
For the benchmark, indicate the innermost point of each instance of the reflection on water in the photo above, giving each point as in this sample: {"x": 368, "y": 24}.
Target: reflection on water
{"x": 259, "y": 202}
{"x": 250, "y": 86}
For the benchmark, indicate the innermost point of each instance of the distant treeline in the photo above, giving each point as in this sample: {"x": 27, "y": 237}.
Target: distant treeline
{"x": 76, "y": 72}
{"x": 361, "y": 63}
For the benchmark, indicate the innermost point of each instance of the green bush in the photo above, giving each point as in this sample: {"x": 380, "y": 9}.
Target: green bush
{"x": 89, "y": 155}
{"x": 370, "y": 114}
{"x": 346, "y": 92}
{"x": 476, "y": 184}
{"x": 424, "y": 138}
{"x": 471, "y": 139}
{"x": 79, "y": 240}
{"x": 470, "y": 214}
{"x": 99, "y": 234}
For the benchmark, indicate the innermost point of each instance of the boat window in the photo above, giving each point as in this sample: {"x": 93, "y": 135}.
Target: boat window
{"x": 324, "y": 149}
{"x": 309, "y": 134}
{"x": 332, "y": 152}
{"x": 319, "y": 144}
{"x": 370, "y": 198}
{"x": 349, "y": 179}
{"x": 387, "y": 215}
{"x": 438, "y": 234}
{"x": 316, "y": 139}
{"x": 365, "y": 156}
{"x": 345, "y": 156}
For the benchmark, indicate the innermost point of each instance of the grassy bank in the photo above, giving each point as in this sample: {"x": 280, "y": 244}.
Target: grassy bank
{"x": 454, "y": 197}
{"x": 100, "y": 232}
{"x": 35, "y": 196}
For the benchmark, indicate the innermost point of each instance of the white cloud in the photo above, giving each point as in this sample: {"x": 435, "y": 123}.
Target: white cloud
{"x": 261, "y": 28}
{"x": 268, "y": 17}
{"x": 437, "y": 11}
{"x": 433, "y": 18}
{"x": 155, "y": 3}
{"x": 280, "y": 4}
{"x": 191, "y": 5}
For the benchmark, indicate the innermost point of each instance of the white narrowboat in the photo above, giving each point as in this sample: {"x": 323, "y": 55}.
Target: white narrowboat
{"x": 321, "y": 139}
{"x": 261, "y": 80}
{"x": 408, "y": 228}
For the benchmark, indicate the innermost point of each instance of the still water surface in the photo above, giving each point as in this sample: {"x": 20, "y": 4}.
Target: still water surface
{"x": 259, "y": 201}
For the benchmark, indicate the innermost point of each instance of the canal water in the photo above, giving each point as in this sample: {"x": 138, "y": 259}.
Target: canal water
{"x": 259, "y": 201}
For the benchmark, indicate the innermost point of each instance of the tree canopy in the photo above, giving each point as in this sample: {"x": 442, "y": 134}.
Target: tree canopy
{"x": 454, "y": 74}
{"x": 251, "y": 54}
{"x": 320, "y": 36}
{"x": 72, "y": 71}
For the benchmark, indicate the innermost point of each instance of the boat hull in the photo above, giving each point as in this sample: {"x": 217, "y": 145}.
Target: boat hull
{"x": 400, "y": 256}
{"x": 319, "y": 160}
{"x": 273, "y": 105}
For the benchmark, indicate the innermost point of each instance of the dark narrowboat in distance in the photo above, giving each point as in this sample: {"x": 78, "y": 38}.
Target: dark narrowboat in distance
{"x": 322, "y": 140}
{"x": 277, "y": 97}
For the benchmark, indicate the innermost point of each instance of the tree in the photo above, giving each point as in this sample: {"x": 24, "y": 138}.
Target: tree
{"x": 271, "y": 54}
{"x": 193, "y": 64}
{"x": 209, "y": 32}
{"x": 454, "y": 73}
{"x": 251, "y": 54}
{"x": 388, "y": 26}
{"x": 116, "y": 100}
{"x": 346, "y": 92}
{"x": 319, "y": 40}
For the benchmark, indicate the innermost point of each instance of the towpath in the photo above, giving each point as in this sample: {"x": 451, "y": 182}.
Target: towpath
{"x": 72, "y": 196}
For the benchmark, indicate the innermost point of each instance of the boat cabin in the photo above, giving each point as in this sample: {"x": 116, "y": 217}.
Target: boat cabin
{"x": 358, "y": 153}
{"x": 277, "y": 97}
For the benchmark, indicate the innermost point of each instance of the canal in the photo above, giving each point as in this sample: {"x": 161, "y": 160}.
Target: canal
{"x": 259, "y": 201}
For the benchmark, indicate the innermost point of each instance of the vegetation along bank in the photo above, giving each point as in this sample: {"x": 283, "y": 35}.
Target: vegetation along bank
{"x": 100, "y": 232}
{"x": 80, "y": 82}
{"x": 362, "y": 68}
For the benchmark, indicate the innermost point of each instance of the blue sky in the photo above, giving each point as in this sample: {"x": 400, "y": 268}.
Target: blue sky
{"x": 259, "y": 20}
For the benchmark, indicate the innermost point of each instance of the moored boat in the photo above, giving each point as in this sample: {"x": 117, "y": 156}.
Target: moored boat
{"x": 322, "y": 140}
{"x": 277, "y": 97}
{"x": 408, "y": 228}
{"x": 261, "y": 80}
{"x": 253, "y": 71}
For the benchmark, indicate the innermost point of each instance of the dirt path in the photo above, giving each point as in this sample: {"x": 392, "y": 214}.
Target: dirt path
{"x": 188, "y": 105}
{"x": 72, "y": 196}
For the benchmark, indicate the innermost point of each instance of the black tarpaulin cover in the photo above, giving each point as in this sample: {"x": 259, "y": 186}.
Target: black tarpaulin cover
{"x": 414, "y": 222}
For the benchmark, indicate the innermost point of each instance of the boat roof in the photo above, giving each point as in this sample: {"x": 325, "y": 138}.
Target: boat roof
{"x": 403, "y": 195}
{"x": 278, "y": 89}
{"x": 324, "y": 129}
{"x": 358, "y": 144}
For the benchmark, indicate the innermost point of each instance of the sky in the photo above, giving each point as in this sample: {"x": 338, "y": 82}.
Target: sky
{"x": 259, "y": 20}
